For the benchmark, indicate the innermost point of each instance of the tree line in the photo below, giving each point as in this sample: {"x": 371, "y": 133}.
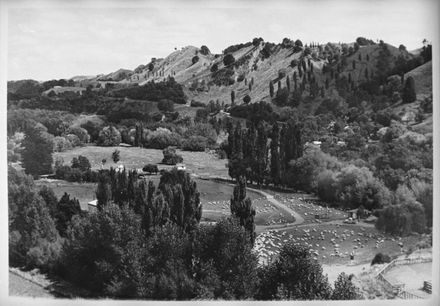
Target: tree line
{"x": 261, "y": 153}
{"x": 147, "y": 242}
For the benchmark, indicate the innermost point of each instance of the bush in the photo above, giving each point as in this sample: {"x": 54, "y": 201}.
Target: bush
{"x": 195, "y": 59}
{"x": 165, "y": 105}
{"x": 82, "y": 163}
{"x": 202, "y": 129}
{"x": 294, "y": 275}
{"x": 221, "y": 154}
{"x": 380, "y": 258}
{"x": 214, "y": 67}
{"x": 109, "y": 136}
{"x": 150, "y": 168}
{"x": 116, "y": 156}
{"x": 223, "y": 77}
{"x": 204, "y": 50}
{"x": 82, "y": 134}
{"x": 195, "y": 143}
{"x": 170, "y": 157}
{"x": 197, "y": 104}
{"x": 228, "y": 59}
{"x": 61, "y": 144}
{"x": 162, "y": 138}
{"x": 246, "y": 99}
{"x": 74, "y": 140}
{"x": 281, "y": 73}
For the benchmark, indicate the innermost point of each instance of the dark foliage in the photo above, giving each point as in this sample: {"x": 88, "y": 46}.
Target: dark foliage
{"x": 170, "y": 157}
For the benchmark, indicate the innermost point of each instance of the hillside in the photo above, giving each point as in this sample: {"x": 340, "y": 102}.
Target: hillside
{"x": 258, "y": 63}
{"x": 303, "y": 76}
{"x": 423, "y": 78}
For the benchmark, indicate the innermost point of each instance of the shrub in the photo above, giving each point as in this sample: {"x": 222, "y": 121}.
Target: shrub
{"x": 150, "y": 168}
{"x": 109, "y": 136}
{"x": 221, "y": 154}
{"x": 195, "y": 143}
{"x": 165, "y": 105}
{"x": 357, "y": 187}
{"x": 380, "y": 258}
{"x": 74, "y": 140}
{"x": 82, "y": 163}
{"x": 256, "y": 41}
{"x": 170, "y": 157}
{"x": 223, "y": 77}
{"x": 246, "y": 99}
{"x": 61, "y": 144}
{"x": 74, "y": 175}
{"x": 228, "y": 59}
{"x": 162, "y": 138}
{"x": 281, "y": 73}
{"x": 202, "y": 129}
{"x": 82, "y": 134}
{"x": 195, "y": 59}
{"x": 197, "y": 104}
{"x": 201, "y": 115}
{"x": 293, "y": 275}
{"x": 345, "y": 289}
{"x": 214, "y": 67}
{"x": 204, "y": 50}
{"x": 116, "y": 156}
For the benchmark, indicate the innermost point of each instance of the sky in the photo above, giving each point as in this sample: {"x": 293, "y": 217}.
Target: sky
{"x": 55, "y": 39}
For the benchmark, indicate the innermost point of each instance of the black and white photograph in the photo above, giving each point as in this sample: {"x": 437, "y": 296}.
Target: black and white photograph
{"x": 220, "y": 151}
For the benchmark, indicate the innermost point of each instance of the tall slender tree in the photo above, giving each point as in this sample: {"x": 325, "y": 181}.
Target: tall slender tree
{"x": 275, "y": 166}
{"x": 37, "y": 152}
{"x": 262, "y": 156}
{"x": 241, "y": 208}
{"x": 271, "y": 90}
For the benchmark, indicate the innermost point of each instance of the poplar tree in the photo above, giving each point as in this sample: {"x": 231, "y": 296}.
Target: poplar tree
{"x": 271, "y": 89}
{"x": 275, "y": 167}
{"x": 262, "y": 161}
{"x": 409, "y": 91}
{"x": 241, "y": 208}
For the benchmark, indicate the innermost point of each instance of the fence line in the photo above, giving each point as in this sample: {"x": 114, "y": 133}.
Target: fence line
{"x": 399, "y": 289}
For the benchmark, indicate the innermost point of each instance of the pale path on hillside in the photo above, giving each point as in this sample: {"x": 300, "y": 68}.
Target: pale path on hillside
{"x": 271, "y": 199}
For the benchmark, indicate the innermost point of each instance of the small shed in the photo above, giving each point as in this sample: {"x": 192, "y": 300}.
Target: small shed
{"x": 180, "y": 166}
{"x": 352, "y": 213}
{"x": 92, "y": 206}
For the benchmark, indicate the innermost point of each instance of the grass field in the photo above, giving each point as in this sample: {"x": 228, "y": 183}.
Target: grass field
{"x": 84, "y": 192}
{"x": 331, "y": 243}
{"x": 305, "y": 205}
{"x": 200, "y": 163}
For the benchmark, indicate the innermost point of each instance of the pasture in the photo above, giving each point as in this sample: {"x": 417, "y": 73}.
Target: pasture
{"x": 306, "y": 206}
{"x": 200, "y": 163}
{"x": 332, "y": 242}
